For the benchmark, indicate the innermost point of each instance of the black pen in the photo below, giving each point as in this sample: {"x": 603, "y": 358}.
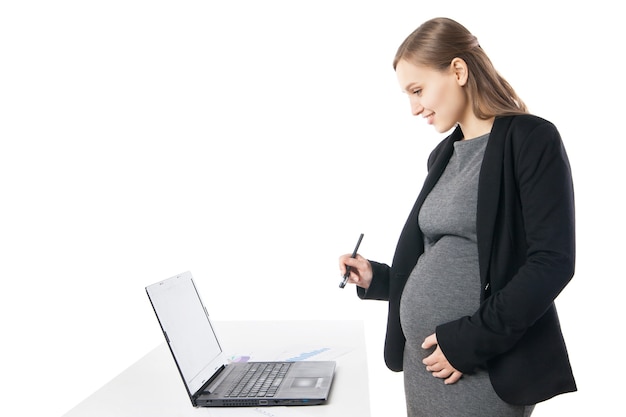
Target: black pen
{"x": 346, "y": 276}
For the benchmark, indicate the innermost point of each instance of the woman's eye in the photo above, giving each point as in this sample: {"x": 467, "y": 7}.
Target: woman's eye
{"x": 418, "y": 92}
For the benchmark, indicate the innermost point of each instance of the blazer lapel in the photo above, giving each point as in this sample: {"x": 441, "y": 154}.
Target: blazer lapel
{"x": 489, "y": 187}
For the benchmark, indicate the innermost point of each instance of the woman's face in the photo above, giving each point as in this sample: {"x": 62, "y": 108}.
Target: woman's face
{"x": 436, "y": 95}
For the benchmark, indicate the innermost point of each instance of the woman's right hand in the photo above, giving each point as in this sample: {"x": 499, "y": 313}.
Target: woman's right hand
{"x": 360, "y": 269}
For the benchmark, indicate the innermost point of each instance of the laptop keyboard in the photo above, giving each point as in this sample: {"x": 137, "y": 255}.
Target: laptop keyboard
{"x": 259, "y": 379}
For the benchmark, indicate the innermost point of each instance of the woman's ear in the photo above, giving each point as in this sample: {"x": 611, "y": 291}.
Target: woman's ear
{"x": 459, "y": 69}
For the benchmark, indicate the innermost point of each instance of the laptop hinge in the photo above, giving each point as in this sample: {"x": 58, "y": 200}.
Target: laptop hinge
{"x": 213, "y": 381}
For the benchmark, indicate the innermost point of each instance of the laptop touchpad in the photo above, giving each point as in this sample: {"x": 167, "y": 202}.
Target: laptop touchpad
{"x": 300, "y": 382}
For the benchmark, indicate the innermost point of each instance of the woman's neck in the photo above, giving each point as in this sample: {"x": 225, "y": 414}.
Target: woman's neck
{"x": 475, "y": 127}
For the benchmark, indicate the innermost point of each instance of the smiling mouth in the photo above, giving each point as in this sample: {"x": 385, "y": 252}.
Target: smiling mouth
{"x": 429, "y": 118}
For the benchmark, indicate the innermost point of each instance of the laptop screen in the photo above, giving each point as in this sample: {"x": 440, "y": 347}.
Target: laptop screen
{"x": 187, "y": 329}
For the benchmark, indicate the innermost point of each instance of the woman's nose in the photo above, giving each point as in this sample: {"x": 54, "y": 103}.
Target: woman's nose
{"x": 416, "y": 107}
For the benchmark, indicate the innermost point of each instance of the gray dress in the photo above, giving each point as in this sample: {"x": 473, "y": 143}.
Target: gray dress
{"x": 444, "y": 286}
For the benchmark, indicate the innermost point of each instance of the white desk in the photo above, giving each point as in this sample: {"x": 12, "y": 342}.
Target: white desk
{"x": 153, "y": 387}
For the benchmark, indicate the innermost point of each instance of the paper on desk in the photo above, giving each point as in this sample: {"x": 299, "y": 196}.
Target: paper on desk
{"x": 304, "y": 353}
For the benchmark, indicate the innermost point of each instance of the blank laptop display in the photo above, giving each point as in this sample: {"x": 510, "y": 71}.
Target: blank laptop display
{"x": 210, "y": 380}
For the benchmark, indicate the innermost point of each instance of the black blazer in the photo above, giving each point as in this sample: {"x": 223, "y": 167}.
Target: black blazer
{"x": 525, "y": 233}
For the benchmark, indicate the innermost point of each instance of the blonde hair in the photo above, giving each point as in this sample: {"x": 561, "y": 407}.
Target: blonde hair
{"x": 438, "y": 41}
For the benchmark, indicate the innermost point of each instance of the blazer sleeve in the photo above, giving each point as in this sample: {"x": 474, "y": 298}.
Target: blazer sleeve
{"x": 532, "y": 255}
{"x": 379, "y": 287}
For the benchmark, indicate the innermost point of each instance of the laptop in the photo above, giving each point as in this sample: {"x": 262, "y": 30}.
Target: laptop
{"x": 208, "y": 377}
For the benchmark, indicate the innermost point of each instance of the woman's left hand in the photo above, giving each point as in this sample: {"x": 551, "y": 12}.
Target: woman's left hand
{"x": 437, "y": 364}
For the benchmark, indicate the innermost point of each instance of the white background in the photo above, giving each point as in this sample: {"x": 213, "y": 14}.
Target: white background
{"x": 251, "y": 142}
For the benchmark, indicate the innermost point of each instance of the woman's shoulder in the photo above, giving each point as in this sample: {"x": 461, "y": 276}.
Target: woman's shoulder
{"x": 524, "y": 128}
{"x": 524, "y": 122}
{"x": 527, "y": 135}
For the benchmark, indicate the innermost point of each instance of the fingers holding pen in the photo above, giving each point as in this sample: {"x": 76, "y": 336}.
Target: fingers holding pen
{"x": 360, "y": 269}
{"x": 345, "y": 261}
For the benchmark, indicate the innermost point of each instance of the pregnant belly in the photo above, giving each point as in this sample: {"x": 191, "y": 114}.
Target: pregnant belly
{"x": 443, "y": 286}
